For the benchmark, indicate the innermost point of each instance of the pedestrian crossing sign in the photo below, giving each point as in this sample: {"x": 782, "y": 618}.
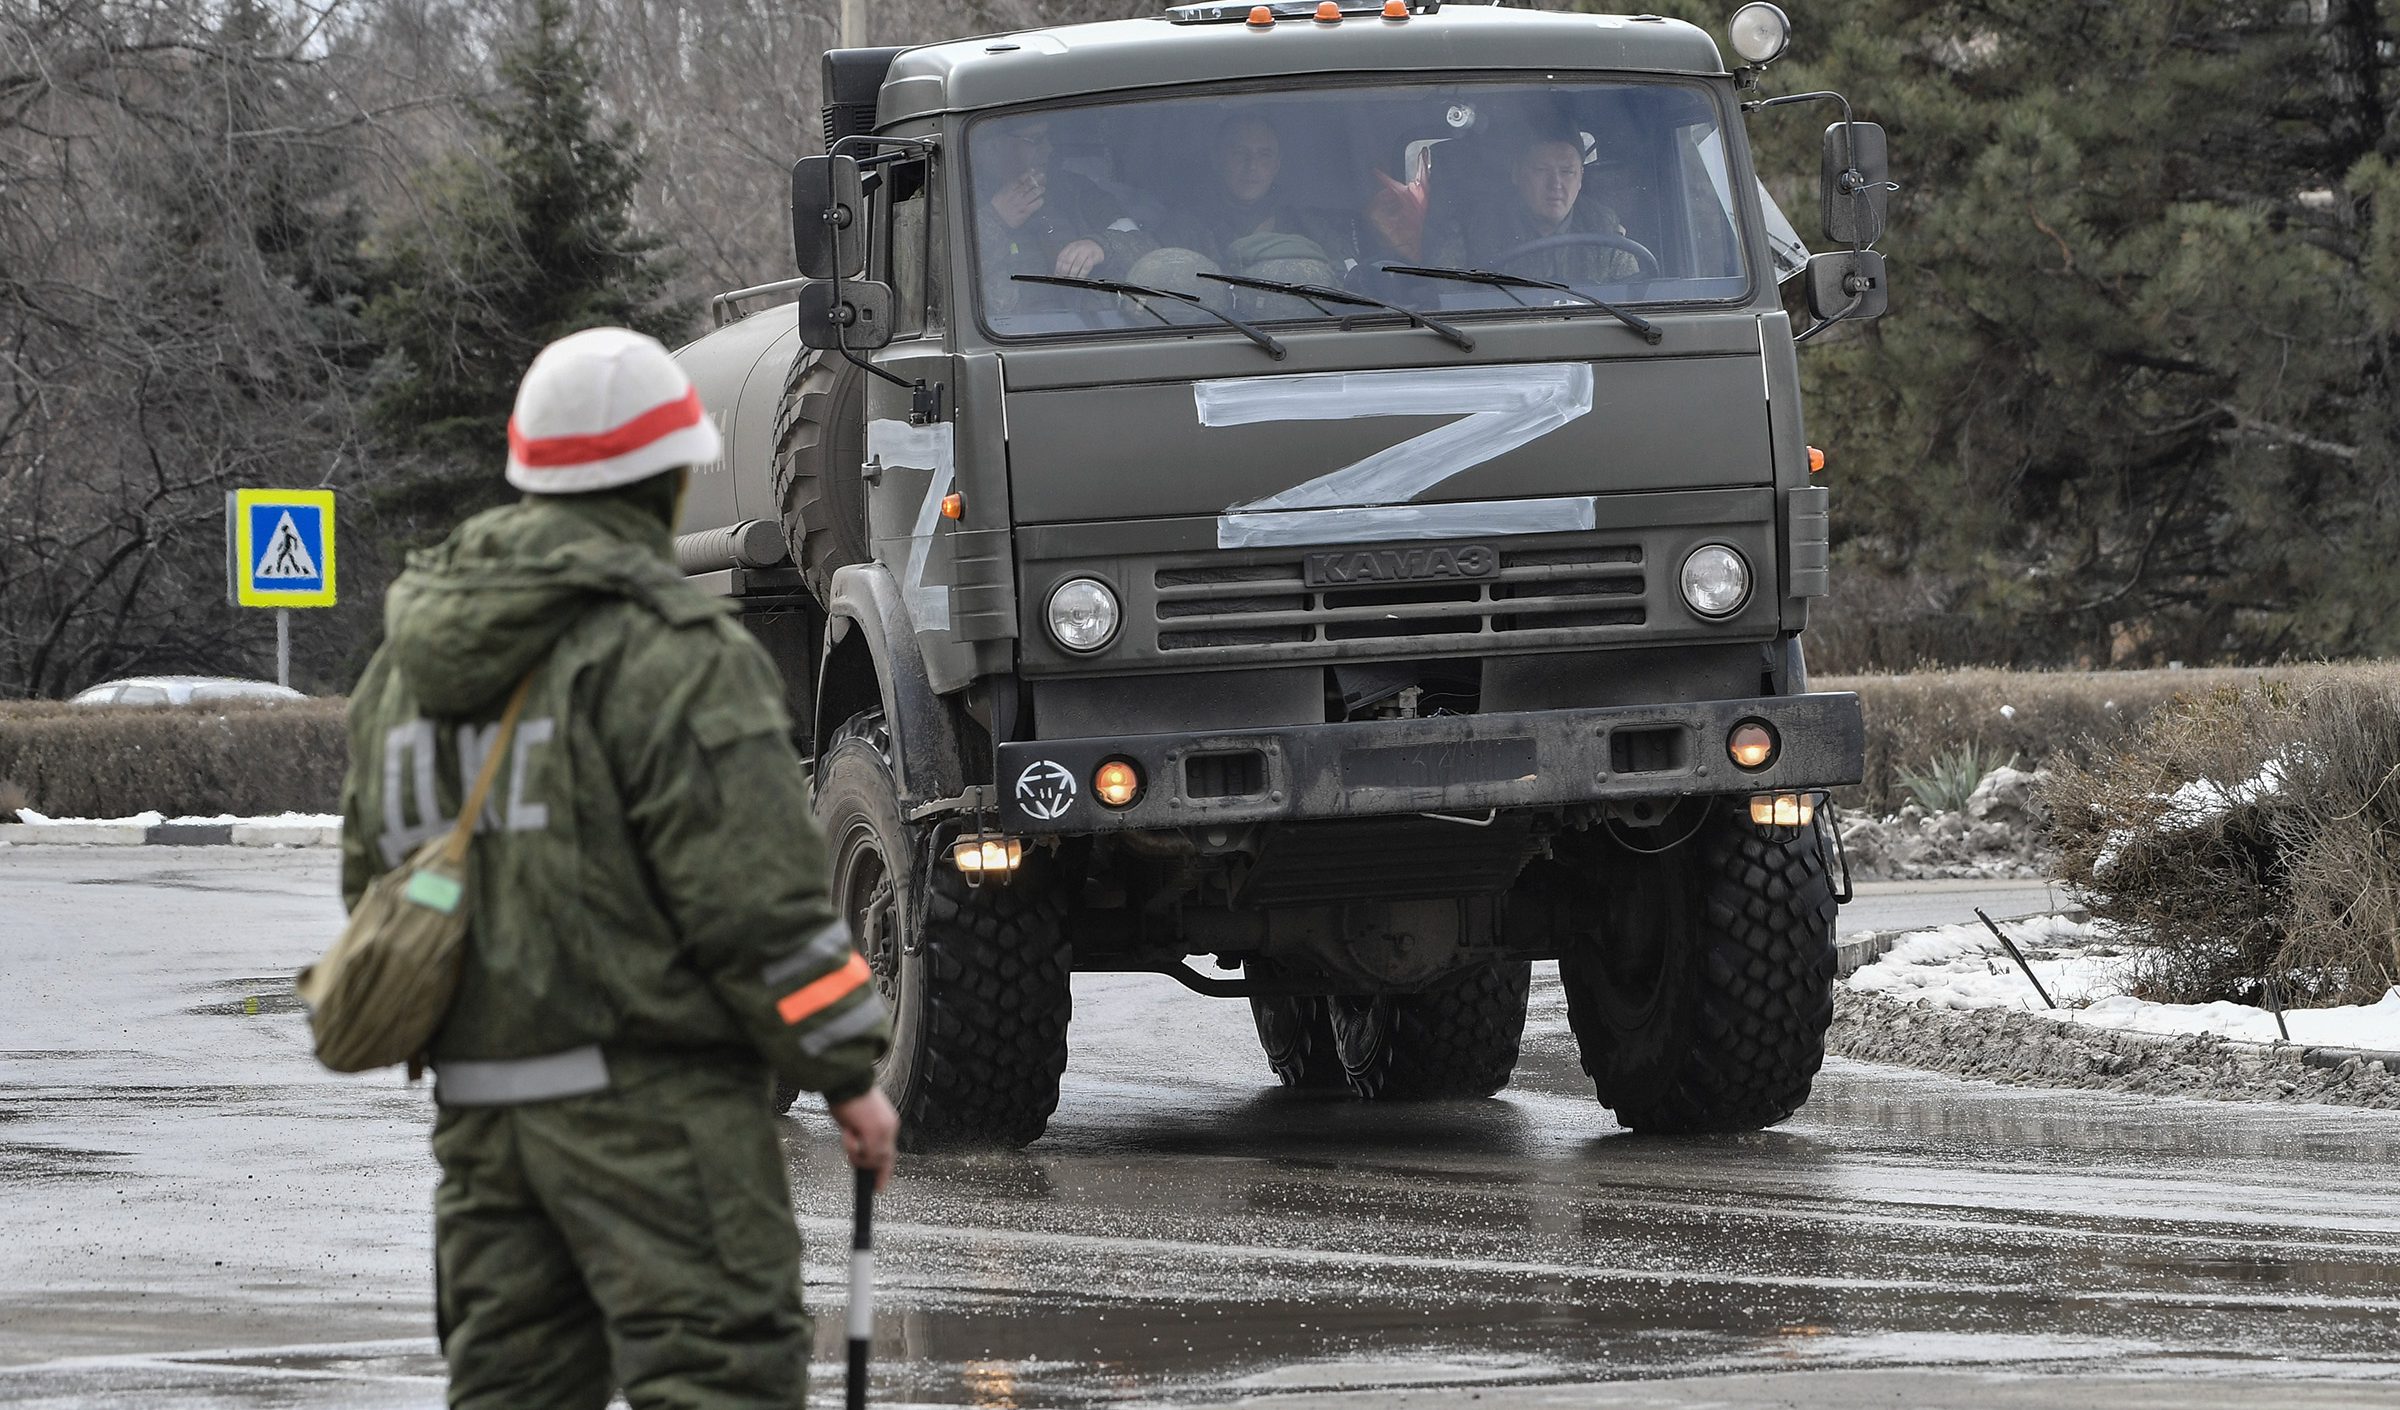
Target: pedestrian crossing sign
{"x": 282, "y": 548}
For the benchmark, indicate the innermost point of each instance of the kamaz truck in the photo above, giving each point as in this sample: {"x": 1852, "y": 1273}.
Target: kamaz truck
{"x": 1310, "y": 501}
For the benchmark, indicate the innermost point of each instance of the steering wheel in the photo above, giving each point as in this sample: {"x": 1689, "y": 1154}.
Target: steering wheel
{"x": 1646, "y": 264}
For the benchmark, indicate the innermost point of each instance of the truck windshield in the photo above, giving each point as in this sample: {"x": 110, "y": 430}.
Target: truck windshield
{"x": 1618, "y": 189}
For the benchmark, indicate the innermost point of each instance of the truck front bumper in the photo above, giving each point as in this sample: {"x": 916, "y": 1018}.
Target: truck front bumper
{"x": 1446, "y": 764}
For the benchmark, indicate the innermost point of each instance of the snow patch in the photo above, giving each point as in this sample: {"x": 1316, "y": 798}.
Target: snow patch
{"x": 2086, "y": 970}
{"x": 154, "y": 818}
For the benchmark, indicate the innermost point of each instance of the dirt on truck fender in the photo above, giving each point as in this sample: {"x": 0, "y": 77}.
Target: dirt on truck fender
{"x": 1317, "y": 508}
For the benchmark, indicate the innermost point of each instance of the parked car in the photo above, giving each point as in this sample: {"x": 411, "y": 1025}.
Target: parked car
{"x": 182, "y": 690}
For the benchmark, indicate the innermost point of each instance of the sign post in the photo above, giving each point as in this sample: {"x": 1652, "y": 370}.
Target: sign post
{"x": 279, "y": 553}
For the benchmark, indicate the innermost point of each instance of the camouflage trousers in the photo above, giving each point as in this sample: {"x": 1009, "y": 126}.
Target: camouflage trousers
{"x": 640, "y": 1238}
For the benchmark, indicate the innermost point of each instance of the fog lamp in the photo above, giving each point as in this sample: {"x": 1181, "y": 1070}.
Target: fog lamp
{"x": 1117, "y": 783}
{"x": 1782, "y": 809}
{"x": 986, "y": 855}
{"x": 1759, "y": 33}
{"x": 1083, "y": 614}
{"x": 1716, "y": 581}
{"x": 1752, "y": 744}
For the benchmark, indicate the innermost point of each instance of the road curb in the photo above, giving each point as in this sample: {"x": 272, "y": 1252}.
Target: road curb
{"x": 106, "y": 834}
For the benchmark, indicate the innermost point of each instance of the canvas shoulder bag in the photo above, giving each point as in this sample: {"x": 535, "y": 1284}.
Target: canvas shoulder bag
{"x": 377, "y": 997}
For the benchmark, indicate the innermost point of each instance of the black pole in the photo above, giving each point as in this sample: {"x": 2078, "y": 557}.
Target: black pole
{"x": 862, "y": 1288}
{"x": 2014, "y": 954}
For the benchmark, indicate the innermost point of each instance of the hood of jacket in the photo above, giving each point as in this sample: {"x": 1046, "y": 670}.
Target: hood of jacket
{"x": 470, "y": 617}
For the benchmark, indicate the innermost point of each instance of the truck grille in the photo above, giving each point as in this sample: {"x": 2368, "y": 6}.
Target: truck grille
{"x": 1551, "y": 591}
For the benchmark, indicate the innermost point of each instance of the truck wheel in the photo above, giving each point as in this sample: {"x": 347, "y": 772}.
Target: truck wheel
{"x": 1458, "y": 1039}
{"x": 1701, "y": 1002}
{"x": 1296, "y": 1032}
{"x": 820, "y": 443}
{"x": 975, "y": 978}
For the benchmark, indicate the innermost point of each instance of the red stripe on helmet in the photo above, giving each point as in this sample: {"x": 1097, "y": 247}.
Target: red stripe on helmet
{"x": 564, "y": 452}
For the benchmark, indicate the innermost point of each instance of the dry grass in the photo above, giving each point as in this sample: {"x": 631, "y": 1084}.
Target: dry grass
{"x": 245, "y": 758}
{"x": 2052, "y": 716}
{"x": 2247, "y": 837}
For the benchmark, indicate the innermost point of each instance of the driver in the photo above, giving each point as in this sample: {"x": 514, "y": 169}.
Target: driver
{"x": 1546, "y": 180}
{"x": 1039, "y": 218}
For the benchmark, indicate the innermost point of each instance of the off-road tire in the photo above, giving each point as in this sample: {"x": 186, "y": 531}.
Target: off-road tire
{"x": 820, "y": 443}
{"x": 1458, "y": 1039}
{"x": 1295, "y": 1031}
{"x": 977, "y": 978}
{"x": 1722, "y": 1026}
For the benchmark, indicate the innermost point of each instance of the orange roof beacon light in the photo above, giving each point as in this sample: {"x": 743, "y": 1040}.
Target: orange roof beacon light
{"x": 1329, "y": 12}
{"x": 1261, "y": 17}
{"x": 1117, "y": 783}
{"x": 1816, "y": 460}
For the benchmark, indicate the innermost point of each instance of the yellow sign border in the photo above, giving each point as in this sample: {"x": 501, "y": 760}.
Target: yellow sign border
{"x": 245, "y": 554}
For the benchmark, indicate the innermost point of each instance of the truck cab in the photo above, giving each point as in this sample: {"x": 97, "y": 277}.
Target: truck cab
{"x": 1310, "y": 501}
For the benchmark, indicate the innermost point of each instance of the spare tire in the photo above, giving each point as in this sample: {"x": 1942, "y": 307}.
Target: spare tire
{"x": 820, "y": 445}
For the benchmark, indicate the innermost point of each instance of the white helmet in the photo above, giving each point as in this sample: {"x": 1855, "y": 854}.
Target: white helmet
{"x": 603, "y": 408}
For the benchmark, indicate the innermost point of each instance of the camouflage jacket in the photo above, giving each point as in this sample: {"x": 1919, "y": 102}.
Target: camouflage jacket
{"x": 647, "y": 875}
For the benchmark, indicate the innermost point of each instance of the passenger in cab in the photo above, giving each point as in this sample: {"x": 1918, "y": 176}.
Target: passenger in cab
{"x": 1036, "y": 217}
{"x": 1244, "y": 224}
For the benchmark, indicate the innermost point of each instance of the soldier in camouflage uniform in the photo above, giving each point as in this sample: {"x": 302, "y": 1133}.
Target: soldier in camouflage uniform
{"x": 1039, "y": 218}
{"x": 650, "y": 942}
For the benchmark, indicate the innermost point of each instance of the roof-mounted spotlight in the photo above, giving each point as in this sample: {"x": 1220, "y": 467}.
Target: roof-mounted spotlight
{"x": 1760, "y": 33}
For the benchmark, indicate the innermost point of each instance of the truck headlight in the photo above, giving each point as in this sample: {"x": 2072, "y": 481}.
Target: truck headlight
{"x": 1083, "y": 614}
{"x": 1716, "y": 582}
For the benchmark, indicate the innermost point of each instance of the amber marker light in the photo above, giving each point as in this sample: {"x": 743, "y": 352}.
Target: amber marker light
{"x": 954, "y": 505}
{"x": 1782, "y": 809}
{"x": 1816, "y": 460}
{"x": 1261, "y": 17}
{"x": 1751, "y": 745}
{"x": 1395, "y": 9}
{"x": 1117, "y": 783}
{"x": 1329, "y": 12}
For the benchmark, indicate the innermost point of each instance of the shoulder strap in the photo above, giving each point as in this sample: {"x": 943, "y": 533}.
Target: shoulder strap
{"x": 454, "y": 847}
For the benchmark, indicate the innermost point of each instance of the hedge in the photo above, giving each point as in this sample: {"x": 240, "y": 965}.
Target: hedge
{"x": 247, "y": 759}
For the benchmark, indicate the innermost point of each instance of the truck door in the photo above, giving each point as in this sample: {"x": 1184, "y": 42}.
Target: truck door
{"x": 909, "y": 464}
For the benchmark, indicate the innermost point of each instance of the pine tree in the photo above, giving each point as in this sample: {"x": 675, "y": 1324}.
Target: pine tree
{"x": 2134, "y": 400}
{"x": 527, "y": 240}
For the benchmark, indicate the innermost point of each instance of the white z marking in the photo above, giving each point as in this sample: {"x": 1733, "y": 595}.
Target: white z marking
{"x": 1501, "y": 408}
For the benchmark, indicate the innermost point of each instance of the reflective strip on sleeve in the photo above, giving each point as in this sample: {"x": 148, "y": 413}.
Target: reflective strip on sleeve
{"x": 823, "y": 951}
{"x": 818, "y": 995}
{"x": 857, "y": 1023}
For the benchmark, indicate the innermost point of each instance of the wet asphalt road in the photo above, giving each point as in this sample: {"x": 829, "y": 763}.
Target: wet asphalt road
{"x": 192, "y": 1214}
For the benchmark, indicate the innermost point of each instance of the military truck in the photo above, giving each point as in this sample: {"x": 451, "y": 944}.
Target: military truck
{"x": 1310, "y": 501}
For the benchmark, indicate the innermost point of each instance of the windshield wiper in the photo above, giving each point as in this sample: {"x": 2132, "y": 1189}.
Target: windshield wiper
{"x": 1637, "y": 323}
{"x": 1143, "y": 293}
{"x": 1321, "y": 294}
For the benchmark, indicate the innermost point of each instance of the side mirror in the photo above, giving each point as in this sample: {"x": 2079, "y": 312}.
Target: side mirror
{"x": 860, "y": 318}
{"x": 1837, "y": 276}
{"x": 1857, "y": 173}
{"x": 829, "y": 225}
